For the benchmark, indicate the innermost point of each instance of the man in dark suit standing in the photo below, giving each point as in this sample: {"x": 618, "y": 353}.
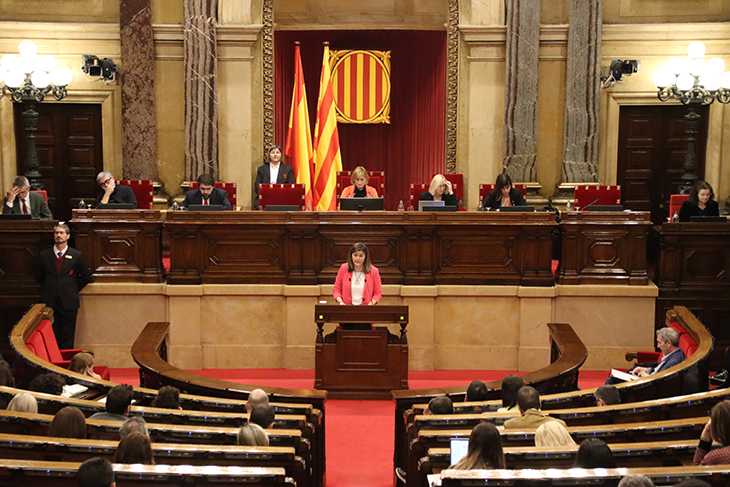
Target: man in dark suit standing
{"x": 22, "y": 201}
{"x": 111, "y": 193}
{"x": 273, "y": 171}
{"x": 63, "y": 272}
{"x": 206, "y": 194}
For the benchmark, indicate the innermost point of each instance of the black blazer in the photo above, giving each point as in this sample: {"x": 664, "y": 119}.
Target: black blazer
{"x": 217, "y": 197}
{"x": 263, "y": 176}
{"x": 494, "y": 200}
{"x": 689, "y": 210}
{"x": 75, "y": 274}
{"x": 121, "y": 194}
{"x": 448, "y": 199}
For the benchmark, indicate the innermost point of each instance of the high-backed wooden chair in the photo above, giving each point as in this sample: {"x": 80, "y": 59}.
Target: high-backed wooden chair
{"x": 143, "y": 191}
{"x": 281, "y": 194}
{"x": 231, "y": 188}
{"x": 591, "y": 194}
{"x": 415, "y": 193}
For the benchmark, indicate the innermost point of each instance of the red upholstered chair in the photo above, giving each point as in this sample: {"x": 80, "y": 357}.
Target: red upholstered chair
{"x": 675, "y": 203}
{"x": 281, "y": 194}
{"x": 484, "y": 190}
{"x": 415, "y": 193}
{"x": 592, "y": 194}
{"x": 36, "y": 345}
{"x": 143, "y": 191}
{"x": 57, "y": 357}
{"x": 686, "y": 343}
{"x": 376, "y": 180}
{"x": 231, "y": 188}
{"x": 42, "y": 192}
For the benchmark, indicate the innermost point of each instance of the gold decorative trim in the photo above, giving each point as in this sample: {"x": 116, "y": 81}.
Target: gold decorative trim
{"x": 268, "y": 71}
{"x": 452, "y": 85}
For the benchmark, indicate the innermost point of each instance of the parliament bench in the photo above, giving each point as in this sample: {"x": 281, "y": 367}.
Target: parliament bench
{"x": 63, "y": 474}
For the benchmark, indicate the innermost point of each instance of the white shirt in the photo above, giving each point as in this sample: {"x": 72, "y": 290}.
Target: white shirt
{"x": 56, "y": 250}
{"x": 273, "y": 172}
{"x": 20, "y": 202}
{"x": 357, "y": 287}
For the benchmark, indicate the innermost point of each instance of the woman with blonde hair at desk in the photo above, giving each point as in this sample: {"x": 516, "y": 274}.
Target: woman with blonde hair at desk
{"x": 359, "y": 187}
{"x": 440, "y": 190}
{"x": 553, "y": 433}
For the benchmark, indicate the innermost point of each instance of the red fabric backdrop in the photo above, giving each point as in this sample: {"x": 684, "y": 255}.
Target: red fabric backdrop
{"x": 412, "y": 147}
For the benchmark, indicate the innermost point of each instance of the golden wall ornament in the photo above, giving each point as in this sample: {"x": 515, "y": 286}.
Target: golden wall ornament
{"x": 361, "y": 85}
{"x": 452, "y": 85}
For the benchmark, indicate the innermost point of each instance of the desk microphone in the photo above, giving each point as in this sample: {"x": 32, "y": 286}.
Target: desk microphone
{"x": 589, "y": 204}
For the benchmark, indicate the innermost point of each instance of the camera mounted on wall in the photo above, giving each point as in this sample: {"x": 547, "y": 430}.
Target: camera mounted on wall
{"x": 94, "y": 67}
{"x": 618, "y": 70}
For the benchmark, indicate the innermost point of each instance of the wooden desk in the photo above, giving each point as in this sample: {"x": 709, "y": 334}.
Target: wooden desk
{"x": 694, "y": 271}
{"x": 121, "y": 245}
{"x": 604, "y": 247}
{"x": 361, "y": 364}
{"x": 305, "y": 248}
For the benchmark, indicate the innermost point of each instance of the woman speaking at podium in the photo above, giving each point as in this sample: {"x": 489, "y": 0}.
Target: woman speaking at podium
{"x": 358, "y": 283}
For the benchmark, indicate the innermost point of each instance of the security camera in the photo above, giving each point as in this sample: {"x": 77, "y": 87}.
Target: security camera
{"x": 95, "y": 67}
{"x": 618, "y": 69}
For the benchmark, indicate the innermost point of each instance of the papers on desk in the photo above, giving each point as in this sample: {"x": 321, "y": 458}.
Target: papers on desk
{"x": 621, "y": 375}
{"x": 73, "y": 390}
{"x": 434, "y": 479}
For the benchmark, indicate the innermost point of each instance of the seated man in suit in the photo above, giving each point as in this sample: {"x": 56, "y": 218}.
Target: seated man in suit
{"x": 21, "y": 201}
{"x": 111, "y": 193}
{"x": 667, "y": 340}
{"x": 528, "y": 401}
{"x": 206, "y": 194}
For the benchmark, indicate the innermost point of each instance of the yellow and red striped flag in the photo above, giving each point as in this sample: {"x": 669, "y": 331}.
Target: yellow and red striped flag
{"x": 298, "y": 138}
{"x": 327, "y": 157}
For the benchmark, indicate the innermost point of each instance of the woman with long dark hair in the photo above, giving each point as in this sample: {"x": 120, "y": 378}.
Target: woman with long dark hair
{"x": 510, "y": 385}
{"x": 594, "y": 453}
{"x": 700, "y": 202}
{"x": 485, "y": 449}
{"x": 504, "y": 194}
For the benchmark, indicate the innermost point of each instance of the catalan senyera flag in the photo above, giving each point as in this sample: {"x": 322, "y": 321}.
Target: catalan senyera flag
{"x": 361, "y": 82}
{"x": 298, "y": 138}
{"x": 327, "y": 156}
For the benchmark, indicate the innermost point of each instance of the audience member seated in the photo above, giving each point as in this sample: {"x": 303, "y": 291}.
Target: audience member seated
{"x": 485, "y": 449}
{"x": 717, "y": 429}
{"x": 96, "y": 472}
{"x": 6, "y": 375}
{"x": 359, "y": 187}
{"x": 510, "y": 385}
{"x": 607, "y": 395}
{"x": 23, "y": 403}
{"x": 135, "y": 424}
{"x": 48, "y": 384}
{"x": 553, "y": 433}
{"x": 207, "y": 194}
{"x": 635, "y": 481}
{"x": 594, "y": 453}
{"x": 692, "y": 483}
{"x": 111, "y": 193}
{"x": 504, "y": 194}
{"x": 262, "y": 416}
{"x": 700, "y": 202}
{"x": 528, "y": 402}
{"x": 168, "y": 397}
{"x": 69, "y": 422}
{"x": 117, "y": 404}
{"x": 20, "y": 200}
{"x": 440, "y": 405}
{"x": 272, "y": 171}
{"x": 477, "y": 391}
{"x": 134, "y": 448}
{"x": 667, "y": 340}
{"x": 440, "y": 190}
{"x": 252, "y": 435}
{"x": 257, "y": 397}
{"x": 83, "y": 363}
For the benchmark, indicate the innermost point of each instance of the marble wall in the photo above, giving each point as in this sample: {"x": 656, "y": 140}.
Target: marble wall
{"x": 451, "y": 327}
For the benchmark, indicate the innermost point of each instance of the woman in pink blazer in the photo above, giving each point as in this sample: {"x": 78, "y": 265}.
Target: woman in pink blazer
{"x": 358, "y": 281}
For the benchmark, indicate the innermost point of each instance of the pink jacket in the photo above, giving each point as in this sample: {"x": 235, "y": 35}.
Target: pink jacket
{"x": 373, "y": 288}
{"x": 350, "y": 190}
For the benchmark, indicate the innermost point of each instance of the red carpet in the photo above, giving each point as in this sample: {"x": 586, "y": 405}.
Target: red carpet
{"x": 371, "y": 422}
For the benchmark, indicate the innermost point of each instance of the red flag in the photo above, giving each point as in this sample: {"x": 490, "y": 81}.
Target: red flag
{"x": 298, "y": 138}
{"x": 327, "y": 158}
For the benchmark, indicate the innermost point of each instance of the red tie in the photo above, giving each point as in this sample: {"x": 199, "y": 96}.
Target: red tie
{"x": 205, "y": 201}
{"x": 25, "y": 207}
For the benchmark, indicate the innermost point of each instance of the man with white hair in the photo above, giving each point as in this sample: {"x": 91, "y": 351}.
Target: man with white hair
{"x": 667, "y": 340}
{"x": 111, "y": 193}
{"x": 22, "y": 201}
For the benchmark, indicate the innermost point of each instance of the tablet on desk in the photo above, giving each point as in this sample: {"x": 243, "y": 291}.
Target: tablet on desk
{"x": 282, "y": 208}
{"x": 708, "y": 219}
{"x": 517, "y": 209}
{"x": 116, "y": 206}
{"x": 205, "y": 207}
{"x": 459, "y": 449}
{"x": 361, "y": 204}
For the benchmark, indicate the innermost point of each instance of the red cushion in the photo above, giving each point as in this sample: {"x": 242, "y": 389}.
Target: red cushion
{"x": 677, "y": 327}
{"x": 46, "y": 330}
{"x": 143, "y": 191}
{"x": 675, "y": 203}
{"x": 686, "y": 343}
{"x": 37, "y": 345}
{"x": 281, "y": 194}
{"x": 690, "y": 351}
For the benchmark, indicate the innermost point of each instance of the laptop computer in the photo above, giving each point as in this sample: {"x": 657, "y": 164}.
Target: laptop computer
{"x": 459, "y": 449}
{"x": 517, "y": 209}
{"x": 205, "y": 207}
{"x": 116, "y": 206}
{"x": 604, "y": 208}
{"x": 429, "y": 204}
{"x": 282, "y": 208}
{"x": 708, "y": 219}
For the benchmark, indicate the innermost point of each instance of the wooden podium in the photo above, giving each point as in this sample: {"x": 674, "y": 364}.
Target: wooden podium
{"x": 361, "y": 364}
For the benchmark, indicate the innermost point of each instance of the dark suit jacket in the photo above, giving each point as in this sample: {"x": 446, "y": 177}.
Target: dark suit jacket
{"x": 689, "y": 210}
{"x": 75, "y": 274}
{"x": 121, "y": 194}
{"x": 263, "y": 176}
{"x": 38, "y": 207}
{"x": 217, "y": 197}
{"x": 494, "y": 200}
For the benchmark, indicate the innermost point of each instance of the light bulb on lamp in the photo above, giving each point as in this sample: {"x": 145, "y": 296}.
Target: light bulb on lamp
{"x": 10, "y": 62}
{"x": 685, "y": 81}
{"x": 40, "y": 79}
{"x": 14, "y": 79}
{"x": 696, "y": 50}
{"x": 28, "y": 48}
{"x": 677, "y": 65}
{"x": 46, "y": 63}
{"x": 663, "y": 78}
{"x": 725, "y": 80}
{"x": 711, "y": 82}
{"x": 62, "y": 76}
{"x": 697, "y": 67}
